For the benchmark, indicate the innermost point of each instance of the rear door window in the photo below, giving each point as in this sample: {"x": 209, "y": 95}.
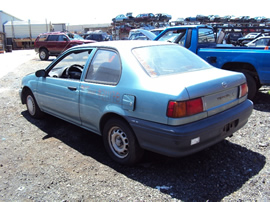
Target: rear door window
{"x": 52, "y": 38}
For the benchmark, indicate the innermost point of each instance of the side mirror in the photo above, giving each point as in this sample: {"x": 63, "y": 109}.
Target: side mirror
{"x": 41, "y": 73}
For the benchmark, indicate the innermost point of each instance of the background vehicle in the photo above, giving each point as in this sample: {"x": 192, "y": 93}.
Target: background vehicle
{"x": 119, "y": 18}
{"x": 140, "y": 34}
{"x": 163, "y": 17}
{"x": 231, "y": 38}
{"x": 249, "y": 37}
{"x": 145, "y": 17}
{"x": 259, "y": 42}
{"x": 140, "y": 95}
{"x": 201, "y": 40}
{"x": 54, "y": 43}
{"x": 97, "y": 36}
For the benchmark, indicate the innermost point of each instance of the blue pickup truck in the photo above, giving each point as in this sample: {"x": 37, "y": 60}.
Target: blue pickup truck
{"x": 200, "y": 39}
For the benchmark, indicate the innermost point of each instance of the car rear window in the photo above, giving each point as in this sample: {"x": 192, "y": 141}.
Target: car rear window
{"x": 42, "y": 37}
{"x": 168, "y": 59}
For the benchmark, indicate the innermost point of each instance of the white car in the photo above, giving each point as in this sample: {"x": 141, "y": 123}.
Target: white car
{"x": 260, "y": 42}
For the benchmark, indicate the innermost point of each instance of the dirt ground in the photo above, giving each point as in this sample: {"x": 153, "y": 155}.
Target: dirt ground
{"x": 52, "y": 160}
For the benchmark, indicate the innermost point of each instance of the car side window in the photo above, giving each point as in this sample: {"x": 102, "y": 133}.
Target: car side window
{"x": 105, "y": 68}
{"x": 62, "y": 38}
{"x": 71, "y": 66}
{"x": 52, "y": 38}
{"x": 43, "y": 37}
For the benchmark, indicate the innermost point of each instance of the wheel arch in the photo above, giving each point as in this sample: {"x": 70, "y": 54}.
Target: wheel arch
{"x": 43, "y": 47}
{"x": 109, "y": 116}
{"x": 242, "y": 67}
{"x": 24, "y": 93}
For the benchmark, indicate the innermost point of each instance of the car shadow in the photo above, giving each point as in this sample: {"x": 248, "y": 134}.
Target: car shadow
{"x": 261, "y": 100}
{"x": 219, "y": 170}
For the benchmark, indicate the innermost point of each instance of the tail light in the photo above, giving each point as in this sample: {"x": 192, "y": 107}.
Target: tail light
{"x": 243, "y": 90}
{"x": 177, "y": 109}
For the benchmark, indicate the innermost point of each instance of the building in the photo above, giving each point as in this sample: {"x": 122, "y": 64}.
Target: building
{"x": 4, "y": 17}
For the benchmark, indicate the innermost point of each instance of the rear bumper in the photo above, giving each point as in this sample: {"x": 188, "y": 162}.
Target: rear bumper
{"x": 177, "y": 141}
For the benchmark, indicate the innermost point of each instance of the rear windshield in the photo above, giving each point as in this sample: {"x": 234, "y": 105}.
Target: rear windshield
{"x": 168, "y": 59}
{"x": 206, "y": 35}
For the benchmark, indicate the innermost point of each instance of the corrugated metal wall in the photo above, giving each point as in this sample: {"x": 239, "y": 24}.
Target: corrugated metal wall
{"x": 23, "y": 29}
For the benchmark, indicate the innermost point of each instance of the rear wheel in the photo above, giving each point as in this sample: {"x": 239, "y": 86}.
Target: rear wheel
{"x": 43, "y": 54}
{"x": 32, "y": 107}
{"x": 252, "y": 86}
{"x": 121, "y": 143}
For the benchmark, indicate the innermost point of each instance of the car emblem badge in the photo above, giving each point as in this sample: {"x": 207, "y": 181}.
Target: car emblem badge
{"x": 224, "y": 84}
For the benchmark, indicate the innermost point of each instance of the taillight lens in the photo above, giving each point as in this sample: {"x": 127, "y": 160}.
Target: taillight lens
{"x": 243, "y": 90}
{"x": 178, "y": 109}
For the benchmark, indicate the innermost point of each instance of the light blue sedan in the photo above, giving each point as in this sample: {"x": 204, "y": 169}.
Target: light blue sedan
{"x": 140, "y": 95}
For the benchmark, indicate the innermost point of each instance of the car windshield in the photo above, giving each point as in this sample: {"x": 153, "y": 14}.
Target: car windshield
{"x": 76, "y": 37}
{"x": 168, "y": 59}
{"x": 170, "y": 36}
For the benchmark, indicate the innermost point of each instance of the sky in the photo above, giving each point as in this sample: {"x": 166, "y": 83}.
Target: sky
{"x": 78, "y": 12}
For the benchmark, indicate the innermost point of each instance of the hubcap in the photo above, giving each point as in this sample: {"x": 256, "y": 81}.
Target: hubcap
{"x": 42, "y": 54}
{"x": 118, "y": 142}
{"x": 30, "y": 105}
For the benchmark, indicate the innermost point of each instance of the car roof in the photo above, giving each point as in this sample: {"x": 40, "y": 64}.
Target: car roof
{"x": 55, "y": 33}
{"x": 190, "y": 26}
{"x": 124, "y": 45}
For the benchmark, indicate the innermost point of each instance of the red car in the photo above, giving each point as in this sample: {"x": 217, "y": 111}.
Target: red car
{"x": 54, "y": 43}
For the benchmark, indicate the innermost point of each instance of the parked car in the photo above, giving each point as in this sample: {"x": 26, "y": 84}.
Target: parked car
{"x": 260, "y": 19}
{"x": 163, "y": 17}
{"x": 231, "y": 38}
{"x": 140, "y": 34}
{"x": 140, "y": 95}
{"x": 245, "y": 19}
{"x": 249, "y": 37}
{"x": 54, "y": 43}
{"x": 130, "y": 18}
{"x": 157, "y": 31}
{"x": 119, "y": 18}
{"x": 259, "y": 42}
{"x": 179, "y": 21}
{"x": 202, "y": 18}
{"x": 190, "y": 19}
{"x": 97, "y": 36}
{"x": 145, "y": 17}
{"x": 214, "y": 18}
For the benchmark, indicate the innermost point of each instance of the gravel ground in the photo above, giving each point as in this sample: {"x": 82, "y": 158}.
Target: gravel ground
{"x": 52, "y": 160}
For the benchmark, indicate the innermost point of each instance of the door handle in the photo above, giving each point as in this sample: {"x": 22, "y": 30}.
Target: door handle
{"x": 72, "y": 88}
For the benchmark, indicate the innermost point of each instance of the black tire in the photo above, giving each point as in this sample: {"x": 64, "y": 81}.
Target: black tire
{"x": 43, "y": 54}
{"x": 32, "y": 106}
{"x": 252, "y": 86}
{"x": 121, "y": 143}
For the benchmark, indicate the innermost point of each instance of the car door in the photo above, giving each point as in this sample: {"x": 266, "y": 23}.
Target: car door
{"x": 98, "y": 91}
{"x": 58, "y": 93}
{"x": 62, "y": 43}
{"x": 52, "y": 43}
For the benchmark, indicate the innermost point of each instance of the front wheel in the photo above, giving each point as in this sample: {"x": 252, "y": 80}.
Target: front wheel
{"x": 32, "y": 106}
{"x": 43, "y": 54}
{"x": 121, "y": 143}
